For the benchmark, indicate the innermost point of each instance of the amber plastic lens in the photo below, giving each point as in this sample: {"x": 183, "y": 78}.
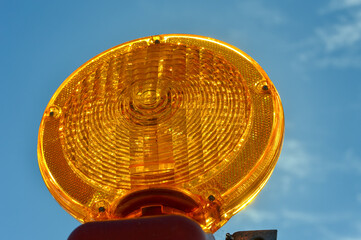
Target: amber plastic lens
{"x": 178, "y": 124}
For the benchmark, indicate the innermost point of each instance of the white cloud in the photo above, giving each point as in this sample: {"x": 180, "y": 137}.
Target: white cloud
{"x": 295, "y": 160}
{"x": 348, "y": 238}
{"x": 352, "y": 161}
{"x": 258, "y": 216}
{"x": 341, "y": 4}
{"x": 286, "y": 183}
{"x": 333, "y": 234}
{"x": 296, "y": 217}
{"x": 298, "y": 165}
{"x": 345, "y": 61}
{"x": 342, "y": 35}
{"x": 267, "y": 15}
{"x": 358, "y": 197}
{"x": 312, "y": 218}
{"x": 337, "y": 42}
{"x": 296, "y": 168}
{"x": 289, "y": 218}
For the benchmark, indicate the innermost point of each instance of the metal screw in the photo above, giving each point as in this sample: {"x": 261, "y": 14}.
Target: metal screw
{"x": 157, "y": 41}
{"x": 265, "y": 87}
{"x": 102, "y": 209}
{"x": 229, "y": 237}
{"x": 211, "y": 198}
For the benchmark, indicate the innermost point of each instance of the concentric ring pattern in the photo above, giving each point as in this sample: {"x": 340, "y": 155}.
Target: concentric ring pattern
{"x": 185, "y": 113}
{"x": 160, "y": 114}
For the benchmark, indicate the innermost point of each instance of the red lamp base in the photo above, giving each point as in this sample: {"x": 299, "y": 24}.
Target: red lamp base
{"x": 167, "y": 227}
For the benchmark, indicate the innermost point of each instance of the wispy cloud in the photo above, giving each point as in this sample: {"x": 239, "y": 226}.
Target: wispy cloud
{"x": 264, "y": 13}
{"x": 294, "y": 217}
{"x": 347, "y": 238}
{"x": 295, "y": 159}
{"x": 298, "y": 166}
{"x": 336, "y": 43}
{"x": 297, "y": 217}
{"x": 259, "y": 216}
{"x": 290, "y": 216}
{"x": 333, "y": 234}
{"x": 352, "y": 160}
{"x": 342, "y": 35}
{"x": 255, "y": 14}
{"x": 295, "y": 165}
{"x": 358, "y": 197}
{"x": 335, "y": 5}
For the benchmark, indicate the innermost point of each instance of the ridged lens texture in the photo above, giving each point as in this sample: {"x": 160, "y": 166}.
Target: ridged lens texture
{"x": 182, "y": 112}
{"x": 161, "y": 114}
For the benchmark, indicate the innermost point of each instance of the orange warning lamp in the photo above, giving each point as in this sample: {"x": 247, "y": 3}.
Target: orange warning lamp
{"x": 168, "y": 124}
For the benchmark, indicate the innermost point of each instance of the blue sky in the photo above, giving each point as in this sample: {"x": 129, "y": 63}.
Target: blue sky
{"x": 311, "y": 50}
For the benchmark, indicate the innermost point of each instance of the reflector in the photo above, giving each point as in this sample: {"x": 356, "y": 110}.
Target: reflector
{"x": 169, "y": 124}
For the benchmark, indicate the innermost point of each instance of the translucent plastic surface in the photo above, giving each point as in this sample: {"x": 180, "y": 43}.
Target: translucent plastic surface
{"x": 190, "y": 118}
